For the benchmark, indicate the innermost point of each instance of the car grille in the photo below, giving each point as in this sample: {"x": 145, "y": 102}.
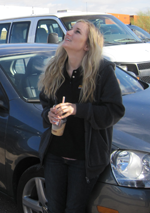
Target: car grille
{"x": 142, "y": 70}
{"x": 145, "y": 78}
{"x": 143, "y": 66}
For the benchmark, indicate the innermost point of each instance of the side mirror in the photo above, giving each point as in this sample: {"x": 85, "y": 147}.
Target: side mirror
{"x": 52, "y": 38}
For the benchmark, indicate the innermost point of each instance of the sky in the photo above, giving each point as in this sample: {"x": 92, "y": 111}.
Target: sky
{"x": 15, "y": 8}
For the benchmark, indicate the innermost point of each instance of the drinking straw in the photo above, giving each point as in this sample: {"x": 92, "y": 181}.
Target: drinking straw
{"x": 63, "y": 99}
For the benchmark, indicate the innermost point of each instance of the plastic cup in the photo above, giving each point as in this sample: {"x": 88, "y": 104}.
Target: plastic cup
{"x": 58, "y": 130}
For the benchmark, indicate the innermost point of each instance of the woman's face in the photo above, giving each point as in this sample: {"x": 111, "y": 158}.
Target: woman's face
{"x": 76, "y": 38}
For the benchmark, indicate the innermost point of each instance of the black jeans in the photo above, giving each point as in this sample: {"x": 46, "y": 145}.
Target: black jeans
{"x": 66, "y": 188}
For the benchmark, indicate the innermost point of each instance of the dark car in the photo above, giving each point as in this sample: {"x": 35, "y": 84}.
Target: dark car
{"x": 142, "y": 34}
{"x": 123, "y": 186}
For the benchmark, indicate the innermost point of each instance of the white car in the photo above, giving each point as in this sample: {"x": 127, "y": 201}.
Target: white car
{"x": 121, "y": 46}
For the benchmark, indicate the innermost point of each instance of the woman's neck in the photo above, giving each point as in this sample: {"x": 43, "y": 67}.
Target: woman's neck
{"x": 73, "y": 63}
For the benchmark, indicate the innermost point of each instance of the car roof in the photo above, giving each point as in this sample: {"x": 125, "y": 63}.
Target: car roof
{"x": 59, "y": 15}
{"x": 132, "y": 26}
{"x": 11, "y": 49}
{"x": 68, "y": 14}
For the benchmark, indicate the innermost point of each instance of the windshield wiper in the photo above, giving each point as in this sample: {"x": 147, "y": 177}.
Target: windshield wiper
{"x": 111, "y": 43}
{"x": 146, "y": 39}
{"x": 33, "y": 100}
{"x": 127, "y": 40}
{"x": 127, "y": 93}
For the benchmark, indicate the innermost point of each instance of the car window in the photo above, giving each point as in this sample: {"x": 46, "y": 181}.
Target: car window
{"x": 46, "y": 27}
{"x": 142, "y": 34}
{"x": 113, "y": 30}
{"x": 23, "y": 71}
{"x": 19, "y": 32}
{"x": 20, "y": 66}
{"x": 139, "y": 34}
{"x": 4, "y": 30}
{"x": 3, "y": 100}
{"x": 136, "y": 28}
{"x": 128, "y": 84}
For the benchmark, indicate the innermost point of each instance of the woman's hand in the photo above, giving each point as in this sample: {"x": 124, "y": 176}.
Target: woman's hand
{"x": 53, "y": 119}
{"x": 63, "y": 110}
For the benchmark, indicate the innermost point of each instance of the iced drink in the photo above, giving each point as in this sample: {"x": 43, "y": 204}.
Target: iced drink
{"x": 58, "y": 128}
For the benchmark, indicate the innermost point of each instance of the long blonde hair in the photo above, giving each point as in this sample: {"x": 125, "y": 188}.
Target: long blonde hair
{"x": 53, "y": 78}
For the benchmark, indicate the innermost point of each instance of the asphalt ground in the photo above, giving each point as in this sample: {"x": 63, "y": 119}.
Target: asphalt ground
{"x": 7, "y": 205}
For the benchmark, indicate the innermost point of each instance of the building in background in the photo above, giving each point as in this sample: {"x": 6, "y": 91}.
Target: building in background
{"x": 122, "y": 17}
{"x": 8, "y": 11}
{"x": 125, "y": 18}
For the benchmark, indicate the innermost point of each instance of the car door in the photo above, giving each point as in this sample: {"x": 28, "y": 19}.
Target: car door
{"x": 4, "y": 114}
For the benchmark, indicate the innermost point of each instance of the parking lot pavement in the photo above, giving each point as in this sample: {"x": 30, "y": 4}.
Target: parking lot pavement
{"x": 7, "y": 205}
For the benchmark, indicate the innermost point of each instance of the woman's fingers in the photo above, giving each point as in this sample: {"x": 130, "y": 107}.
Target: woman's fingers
{"x": 52, "y": 116}
{"x": 63, "y": 110}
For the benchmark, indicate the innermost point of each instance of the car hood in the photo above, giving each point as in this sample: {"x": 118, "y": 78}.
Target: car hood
{"x": 128, "y": 53}
{"x": 133, "y": 130}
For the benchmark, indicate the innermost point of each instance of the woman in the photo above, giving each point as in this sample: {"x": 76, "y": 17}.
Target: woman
{"x": 74, "y": 161}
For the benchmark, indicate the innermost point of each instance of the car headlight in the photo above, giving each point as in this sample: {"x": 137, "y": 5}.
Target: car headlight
{"x": 131, "y": 168}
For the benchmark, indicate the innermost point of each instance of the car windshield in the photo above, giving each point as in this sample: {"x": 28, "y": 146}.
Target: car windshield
{"x": 113, "y": 30}
{"x": 142, "y": 34}
{"x": 23, "y": 71}
{"x": 128, "y": 84}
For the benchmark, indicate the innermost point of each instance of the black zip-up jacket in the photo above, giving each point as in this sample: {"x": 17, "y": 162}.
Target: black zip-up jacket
{"x": 99, "y": 118}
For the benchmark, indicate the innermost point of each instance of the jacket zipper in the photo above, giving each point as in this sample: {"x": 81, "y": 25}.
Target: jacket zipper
{"x": 86, "y": 157}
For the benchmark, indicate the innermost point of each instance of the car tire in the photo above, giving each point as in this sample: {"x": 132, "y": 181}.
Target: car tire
{"x": 31, "y": 196}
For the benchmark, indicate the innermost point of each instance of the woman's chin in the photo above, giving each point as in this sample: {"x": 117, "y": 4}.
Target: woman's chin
{"x": 66, "y": 46}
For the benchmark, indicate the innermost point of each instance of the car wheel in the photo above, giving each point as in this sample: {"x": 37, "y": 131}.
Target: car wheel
{"x": 31, "y": 191}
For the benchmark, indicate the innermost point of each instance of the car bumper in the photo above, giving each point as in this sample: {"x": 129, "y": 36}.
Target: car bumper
{"x": 119, "y": 199}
